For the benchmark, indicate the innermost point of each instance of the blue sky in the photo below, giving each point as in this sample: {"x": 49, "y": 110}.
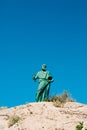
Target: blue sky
{"x": 33, "y": 32}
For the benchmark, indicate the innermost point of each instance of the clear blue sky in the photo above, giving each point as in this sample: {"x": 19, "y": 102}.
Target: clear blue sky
{"x": 33, "y": 32}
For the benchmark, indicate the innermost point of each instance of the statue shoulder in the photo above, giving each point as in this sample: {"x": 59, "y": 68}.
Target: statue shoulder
{"x": 48, "y": 72}
{"x": 39, "y": 73}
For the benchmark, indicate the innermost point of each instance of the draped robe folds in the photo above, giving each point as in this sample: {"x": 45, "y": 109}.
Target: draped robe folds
{"x": 42, "y": 93}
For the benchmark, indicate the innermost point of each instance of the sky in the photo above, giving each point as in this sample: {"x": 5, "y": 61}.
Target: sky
{"x": 36, "y": 32}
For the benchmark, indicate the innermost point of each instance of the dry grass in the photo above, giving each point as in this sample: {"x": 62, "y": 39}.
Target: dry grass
{"x": 60, "y": 100}
{"x": 13, "y": 120}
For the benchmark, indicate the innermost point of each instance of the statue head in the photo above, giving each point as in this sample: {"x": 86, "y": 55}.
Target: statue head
{"x": 44, "y": 67}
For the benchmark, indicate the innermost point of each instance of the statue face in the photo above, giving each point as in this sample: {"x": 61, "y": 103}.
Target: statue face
{"x": 44, "y": 67}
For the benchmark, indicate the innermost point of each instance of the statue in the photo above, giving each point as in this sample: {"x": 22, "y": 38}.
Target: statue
{"x": 45, "y": 79}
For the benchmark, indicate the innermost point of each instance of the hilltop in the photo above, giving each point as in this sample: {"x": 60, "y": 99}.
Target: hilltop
{"x": 43, "y": 116}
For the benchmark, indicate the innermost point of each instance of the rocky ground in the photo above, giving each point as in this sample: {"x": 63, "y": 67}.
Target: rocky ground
{"x": 43, "y": 116}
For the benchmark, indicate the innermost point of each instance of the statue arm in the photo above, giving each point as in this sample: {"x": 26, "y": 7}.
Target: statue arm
{"x": 50, "y": 77}
{"x": 35, "y": 77}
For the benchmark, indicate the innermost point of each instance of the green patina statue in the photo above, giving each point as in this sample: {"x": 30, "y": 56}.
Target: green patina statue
{"x": 45, "y": 79}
